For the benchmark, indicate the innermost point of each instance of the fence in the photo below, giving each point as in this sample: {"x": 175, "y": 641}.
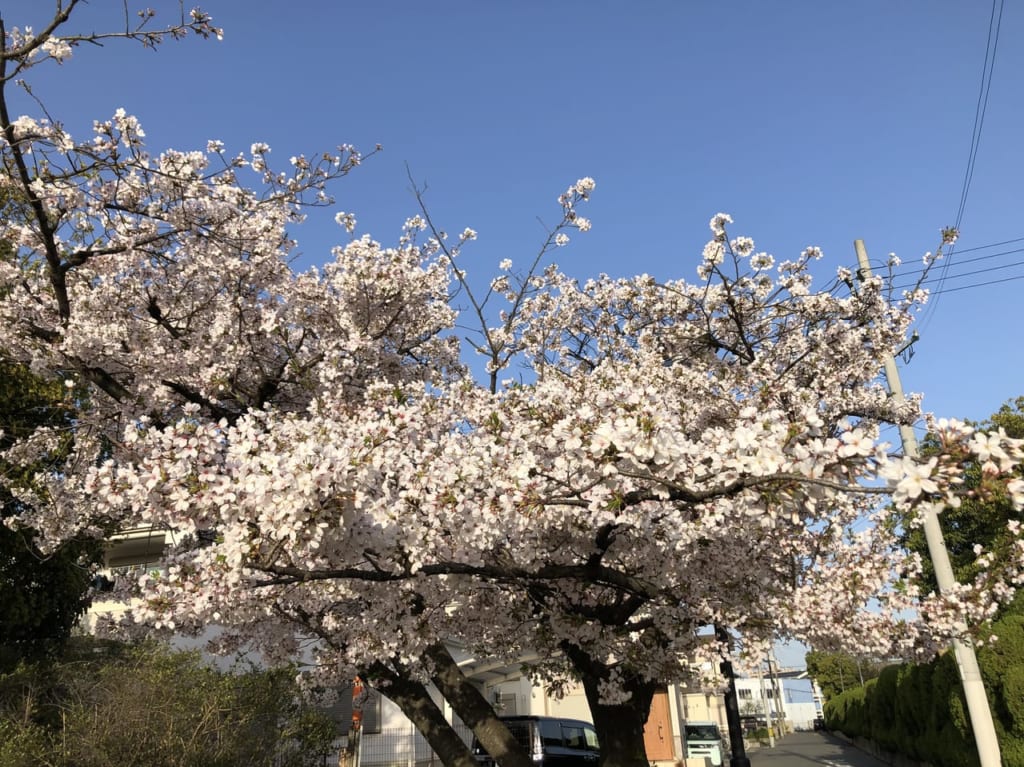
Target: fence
{"x": 398, "y": 747}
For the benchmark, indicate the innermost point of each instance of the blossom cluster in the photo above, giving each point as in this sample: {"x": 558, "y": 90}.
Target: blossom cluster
{"x": 674, "y": 455}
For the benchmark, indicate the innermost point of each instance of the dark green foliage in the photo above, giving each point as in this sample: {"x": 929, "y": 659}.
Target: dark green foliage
{"x": 892, "y": 712}
{"x": 881, "y": 704}
{"x": 919, "y": 710}
{"x": 761, "y": 734}
{"x": 837, "y": 672}
{"x": 914, "y": 706}
{"x": 980, "y": 519}
{"x": 950, "y": 740}
{"x": 848, "y": 712}
{"x": 149, "y": 705}
{"x": 41, "y": 595}
{"x": 1002, "y": 668}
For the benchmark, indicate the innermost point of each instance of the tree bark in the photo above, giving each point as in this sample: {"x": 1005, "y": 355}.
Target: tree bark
{"x": 473, "y": 709}
{"x": 416, "y": 703}
{"x": 619, "y": 726}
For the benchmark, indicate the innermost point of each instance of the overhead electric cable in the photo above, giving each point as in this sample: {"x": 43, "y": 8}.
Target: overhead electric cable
{"x": 988, "y": 67}
{"x": 978, "y": 285}
{"x": 909, "y": 273}
{"x": 959, "y": 276}
{"x": 976, "y": 259}
{"x": 990, "y": 245}
{"x": 991, "y": 45}
{"x": 897, "y": 275}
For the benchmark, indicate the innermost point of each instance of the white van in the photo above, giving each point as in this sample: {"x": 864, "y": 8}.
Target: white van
{"x": 703, "y": 740}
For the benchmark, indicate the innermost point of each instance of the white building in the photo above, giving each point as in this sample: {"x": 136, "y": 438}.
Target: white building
{"x": 761, "y": 699}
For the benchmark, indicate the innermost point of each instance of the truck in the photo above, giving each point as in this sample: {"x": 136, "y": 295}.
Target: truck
{"x": 704, "y": 740}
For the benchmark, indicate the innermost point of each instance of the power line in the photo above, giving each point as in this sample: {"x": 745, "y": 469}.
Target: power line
{"x": 991, "y": 245}
{"x": 958, "y": 288}
{"x": 988, "y": 67}
{"x": 957, "y": 276}
{"x": 995, "y": 21}
{"x": 978, "y": 285}
{"x": 908, "y": 273}
{"x": 973, "y": 273}
{"x": 921, "y": 270}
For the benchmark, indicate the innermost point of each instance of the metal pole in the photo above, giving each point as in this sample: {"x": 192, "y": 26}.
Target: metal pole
{"x": 966, "y": 660}
{"x": 732, "y": 709}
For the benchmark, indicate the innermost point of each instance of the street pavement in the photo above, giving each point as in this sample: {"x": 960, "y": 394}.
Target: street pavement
{"x": 802, "y": 749}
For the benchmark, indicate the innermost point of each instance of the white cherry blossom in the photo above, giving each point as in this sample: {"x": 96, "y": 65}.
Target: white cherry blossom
{"x": 672, "y": 454}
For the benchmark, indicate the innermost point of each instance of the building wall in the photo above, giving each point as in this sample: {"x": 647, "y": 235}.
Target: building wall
{"x": 704, "y": 706}
{"x": 684, "y": 705}
{"x": 799, "y": 715}
{"x": 571, "y": 706}
{"x": 802, "y": 714}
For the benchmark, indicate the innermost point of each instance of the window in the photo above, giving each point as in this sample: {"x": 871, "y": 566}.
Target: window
{"x": 551, "y": 733}
{"x": 507, "y": 704}
{"x": 521, "y": 732}
{"x": 745, "y": 694}
{"x": 573, "y": 736}
{"x": 702, "y": 732}
{"x": 591, "y": 737}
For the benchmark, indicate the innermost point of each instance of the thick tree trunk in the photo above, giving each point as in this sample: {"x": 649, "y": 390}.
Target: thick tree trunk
{"x": 416, "y": 703}
{"x": 620, "y": 726}
{"x": 473, "y": 709}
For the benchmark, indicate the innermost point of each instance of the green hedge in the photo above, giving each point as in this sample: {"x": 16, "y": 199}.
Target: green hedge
{"x": 919, "y": 710}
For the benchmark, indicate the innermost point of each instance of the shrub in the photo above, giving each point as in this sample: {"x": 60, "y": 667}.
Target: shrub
{"x": 150, "y": 705}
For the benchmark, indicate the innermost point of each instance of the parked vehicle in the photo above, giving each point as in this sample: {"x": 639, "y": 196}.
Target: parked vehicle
{"x": 550, "y": 741}
{"x": 704, "y": 740}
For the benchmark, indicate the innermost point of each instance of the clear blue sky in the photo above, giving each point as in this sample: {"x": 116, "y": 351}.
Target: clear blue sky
{"x": 811, "y": 123}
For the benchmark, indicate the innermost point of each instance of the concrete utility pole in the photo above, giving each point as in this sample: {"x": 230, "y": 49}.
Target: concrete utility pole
{"x": 966, "y": 660}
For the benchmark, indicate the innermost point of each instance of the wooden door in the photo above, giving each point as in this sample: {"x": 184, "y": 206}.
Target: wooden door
{"x": 658, "y": 730}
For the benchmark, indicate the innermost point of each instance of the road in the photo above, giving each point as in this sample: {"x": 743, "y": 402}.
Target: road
{"x": 803, "y": 749}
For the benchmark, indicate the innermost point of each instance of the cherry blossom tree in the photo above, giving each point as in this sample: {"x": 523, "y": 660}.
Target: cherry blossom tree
{"x": 107, "y": 206}
{"x": 668, "y": 456}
